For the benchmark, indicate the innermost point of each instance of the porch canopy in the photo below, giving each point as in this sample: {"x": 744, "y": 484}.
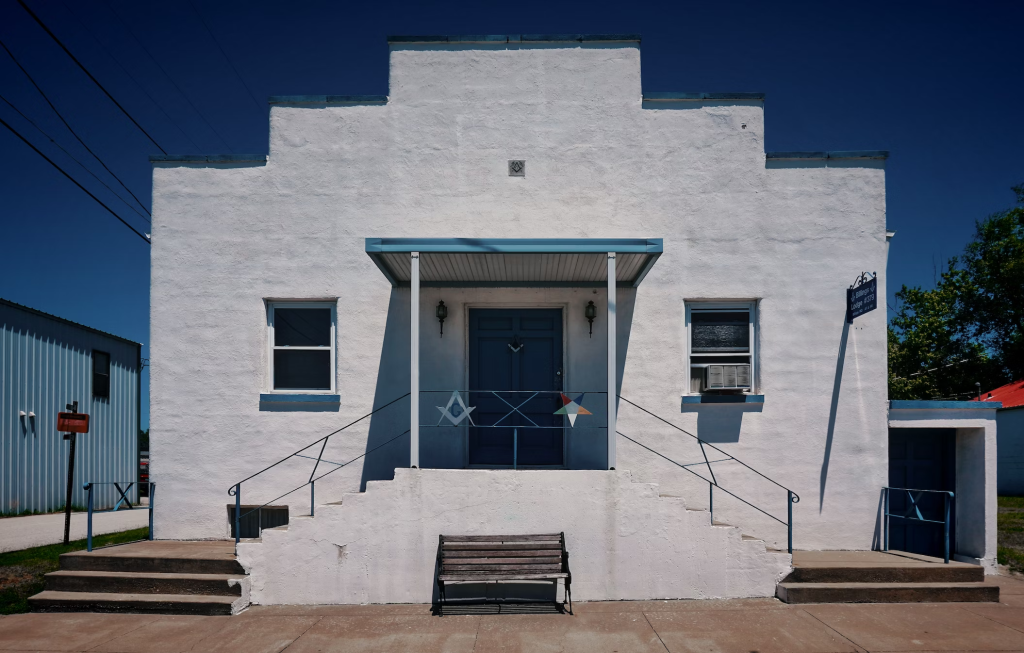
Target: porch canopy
{"x": 511, "y": 262}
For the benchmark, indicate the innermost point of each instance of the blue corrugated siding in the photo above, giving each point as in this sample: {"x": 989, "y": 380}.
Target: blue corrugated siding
{"x": 45, "y": 364}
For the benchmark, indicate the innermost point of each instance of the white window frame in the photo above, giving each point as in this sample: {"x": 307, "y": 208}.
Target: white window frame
{"x": 333, "y": 306}
{"x": 749, "y": 305}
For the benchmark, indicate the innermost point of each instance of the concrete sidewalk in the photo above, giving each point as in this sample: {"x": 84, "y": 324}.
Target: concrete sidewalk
{"x": 743, "y": 625}
{"x": 18, "y": 533}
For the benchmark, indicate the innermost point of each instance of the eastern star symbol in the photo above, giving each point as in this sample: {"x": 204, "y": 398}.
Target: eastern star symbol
{"x": 456, "y": 410}
{"x": 572, "y": 408}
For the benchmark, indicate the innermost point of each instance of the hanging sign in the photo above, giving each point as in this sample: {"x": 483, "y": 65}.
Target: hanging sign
{"x": 72, "y": 423}
{"x": 862, "y": 297}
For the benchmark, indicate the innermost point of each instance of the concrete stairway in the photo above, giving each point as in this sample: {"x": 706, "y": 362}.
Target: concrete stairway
{"x": 149, "y": 577}
{"x": 882, "y": 577}
{"x": 626, "y": 541}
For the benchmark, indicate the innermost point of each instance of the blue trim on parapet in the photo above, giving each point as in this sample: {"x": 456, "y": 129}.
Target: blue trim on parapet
{"x": 328, "y": 99}
{"x": 208, "y": 158}
{"x": 723, "y": 399}
{"x": 516, "y": 38}
{"x": 904, "y": 404}
{"x": 300, "y": 398}
{"x": 835, "y": 154}
{"x": 692, "y": 97}
{"x": 516, "y": 245}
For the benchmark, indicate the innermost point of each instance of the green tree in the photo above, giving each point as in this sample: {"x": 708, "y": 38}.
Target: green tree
{"x": 969, "y": 328}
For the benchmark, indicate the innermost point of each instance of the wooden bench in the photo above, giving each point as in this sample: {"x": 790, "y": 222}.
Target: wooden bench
{"x": 484, "y": 558}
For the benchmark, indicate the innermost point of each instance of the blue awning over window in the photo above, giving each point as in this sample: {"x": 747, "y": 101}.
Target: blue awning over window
{"x": 512, "y": 262}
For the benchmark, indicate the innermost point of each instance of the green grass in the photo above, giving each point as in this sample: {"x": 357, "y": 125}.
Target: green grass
{"x": 21, "y": 572}
{"x": 1010, "y": 524}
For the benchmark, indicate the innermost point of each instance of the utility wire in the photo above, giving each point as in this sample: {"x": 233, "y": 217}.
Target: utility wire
{"x": 86, "y": 71}
{"x": 82, "y": 165}
{"x": 130, "y": 76}
{"x": 73, "y": 132}
{"x": 167, "y": 75}
{"x": 226, "y": 58}
{"x": 84, "y": 189}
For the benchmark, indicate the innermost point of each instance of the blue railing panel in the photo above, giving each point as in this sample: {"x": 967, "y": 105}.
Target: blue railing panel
{"x": 916, "y": 515}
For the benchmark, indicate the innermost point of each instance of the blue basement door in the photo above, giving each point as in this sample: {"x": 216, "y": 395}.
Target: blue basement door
{"x": 515, "y": 353}
{"x": 921, "y": 459}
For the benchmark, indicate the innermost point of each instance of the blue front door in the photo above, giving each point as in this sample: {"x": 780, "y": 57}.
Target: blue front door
{"x": 514, "y": 353}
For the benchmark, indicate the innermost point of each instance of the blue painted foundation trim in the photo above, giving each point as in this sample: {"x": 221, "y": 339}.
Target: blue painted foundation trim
{"x": 723, "y": 399}
{"x": 328, "y": 99}
{"x": 208, "y": 158}
{"x": 300, "y": 398}
{"x": 836, "y": 154}
{"x": 690, "y": 97}
{"x": 516, "y": 245}
{"x": 897, "y": 404}
{"x": 514, "y": 38}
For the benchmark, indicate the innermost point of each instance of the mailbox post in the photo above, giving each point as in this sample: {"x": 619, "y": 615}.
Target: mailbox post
{"x": 71, "y": 423}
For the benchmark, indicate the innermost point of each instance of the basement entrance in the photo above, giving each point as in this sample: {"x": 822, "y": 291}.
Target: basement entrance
{"x": 921, "y": 459}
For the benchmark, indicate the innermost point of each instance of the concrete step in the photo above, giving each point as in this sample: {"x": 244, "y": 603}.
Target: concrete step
{"x": 50, "y": 601}
{"x": 127, "y": 582}
{"x": 99, "y": 560}
{"x": 958, "y": 573}
{"x": 886, "y": 592}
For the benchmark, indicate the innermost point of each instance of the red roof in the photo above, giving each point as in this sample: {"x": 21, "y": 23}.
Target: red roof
{"x": 1011, "y": 395}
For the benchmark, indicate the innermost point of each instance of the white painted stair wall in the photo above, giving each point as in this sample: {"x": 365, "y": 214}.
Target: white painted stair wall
{"x": 625, "y": 542}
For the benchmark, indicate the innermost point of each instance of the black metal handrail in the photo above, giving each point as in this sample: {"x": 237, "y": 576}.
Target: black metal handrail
{"x": 791, "y": 496}
{"x": 948, "y": 499}
{"x": 236, "y": 489}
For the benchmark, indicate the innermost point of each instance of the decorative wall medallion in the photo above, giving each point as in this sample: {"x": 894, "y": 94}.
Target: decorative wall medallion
{"x": 516, "y": 168}
{"x": 456, "y": 410}
{"x": 572, "y": 408}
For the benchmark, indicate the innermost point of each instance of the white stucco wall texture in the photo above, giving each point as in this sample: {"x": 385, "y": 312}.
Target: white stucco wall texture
{"x": 432, "y": 162}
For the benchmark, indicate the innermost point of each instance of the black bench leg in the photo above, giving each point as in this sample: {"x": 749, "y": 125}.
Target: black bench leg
{"x": 441, "y": 598}
{"x": 568, "y": 593}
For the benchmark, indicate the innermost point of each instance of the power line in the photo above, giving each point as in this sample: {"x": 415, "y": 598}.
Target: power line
{"x": 84, "y": 189}
{"x": 226, "y": 58}
{"x": 130, "y": 76}
{"x": 82, "y": 165}
{"x": 73, "y": 132}
{"x": 167, "y": 75}
{"x": 86, "y": 71}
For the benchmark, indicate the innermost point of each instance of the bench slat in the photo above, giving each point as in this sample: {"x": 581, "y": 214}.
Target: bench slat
{"x": 503, "y": 553}
{"x": 548, "y": 560}
{"x": 466, "y": 546}
{"x": 535, "y": 569}
{"x": 503, "y": 538}
{"x": 499, "y": 576}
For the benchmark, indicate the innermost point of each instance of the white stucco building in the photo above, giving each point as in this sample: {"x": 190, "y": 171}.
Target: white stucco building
{"x": 588, "y": 239}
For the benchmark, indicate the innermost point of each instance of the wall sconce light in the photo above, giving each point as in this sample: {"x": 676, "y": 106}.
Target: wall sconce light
{"x": 442, "y": 313}
{"x": 591, "y": 313}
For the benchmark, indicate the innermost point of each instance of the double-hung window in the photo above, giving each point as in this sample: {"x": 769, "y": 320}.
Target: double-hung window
{"x": 302, "y": 346}
{"x": 720, "y": 346}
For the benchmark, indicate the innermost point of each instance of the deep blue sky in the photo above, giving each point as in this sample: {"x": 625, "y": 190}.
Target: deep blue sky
{"x": 938, "y": 84}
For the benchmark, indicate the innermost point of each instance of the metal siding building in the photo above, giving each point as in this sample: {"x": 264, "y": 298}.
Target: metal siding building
{"x": 46, "y": 362}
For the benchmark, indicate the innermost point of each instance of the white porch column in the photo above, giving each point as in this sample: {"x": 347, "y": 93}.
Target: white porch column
{"x": 612, "y": 371}
{"x": 414, "y": 362}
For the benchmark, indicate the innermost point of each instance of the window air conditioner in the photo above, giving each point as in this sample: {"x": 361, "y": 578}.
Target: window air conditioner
{"x": 727, "y": 377}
